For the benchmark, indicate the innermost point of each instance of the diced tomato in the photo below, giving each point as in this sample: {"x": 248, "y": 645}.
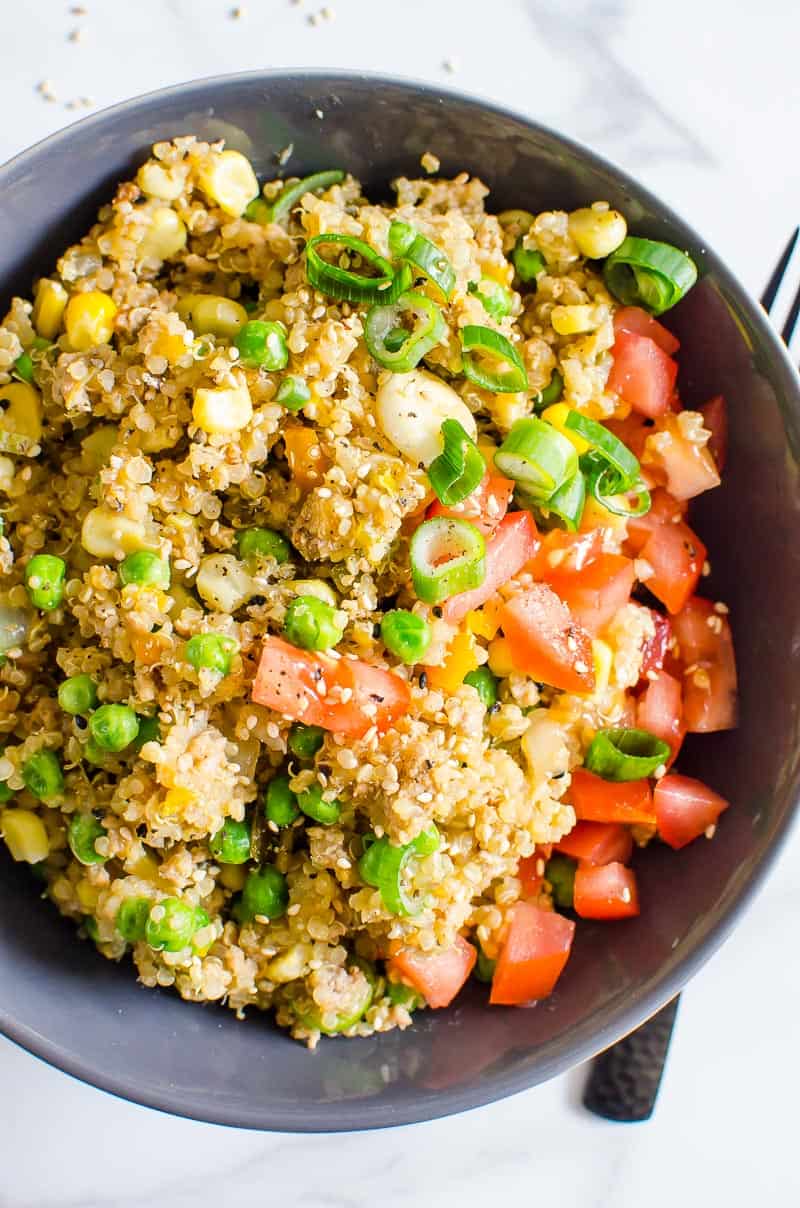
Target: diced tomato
{"x": 642, "y": 374}
{"x": 663, "y": 510}
{"x": 658, "y": 646}
{"x": 528, "y": 875}
{"x": 546, "y": 641}
{"x": 685, "y": 808}
{"x": 485, "y": 507}
{"x": 676, "y": 555}
{"x": 560, "y": 549}
{"x": 707, "y": 654}
{"x": 638, "y": 321}
{"x": 660, "y": 711}
{"x": 607, "y": 891}
{"x": 595, "y": 592}
{"x": 438, "y": 976}
{"x": 309, "y": 687}
{"x": 598, "y": 800}
{"x": 689, "y": 467}
{"x": 715, "y": 418}
{"x": 514, "y": 542}
{"x": 534, "y": 953}
{"x": 598, "y": 843}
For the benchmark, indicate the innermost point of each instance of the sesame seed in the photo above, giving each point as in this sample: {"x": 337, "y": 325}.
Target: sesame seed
{"x": 710, "y": 831}
{"x": 540, "y": 868}
{"x": 706, "y": 569}
{"x": 660, "y": 772}
{"x": 626, "y": 895}
{"x": 294, "y": 909}
{"x": 721, "y": 608}
{"x": 581, "y": 667}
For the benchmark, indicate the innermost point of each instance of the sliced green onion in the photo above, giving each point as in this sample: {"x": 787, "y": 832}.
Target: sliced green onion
{"x": 484, "y": 966}
{"x": 611, "y": 492}
{"x": 293, "y": 393}
{"x": 621, "y": 754}
{"x": 495, "y": 299}
{"x": 405, "y": 349}
{"x": 425, "y": 257}
{"x": 448, "y": 556}
{"x": 538, "y": 457}
{"x": 567, "y": 503}
{"x": 484, "y": 342}
{"x": 528, "y": 262}
{"x": 347, "y": 284}
{"x": 642, "y": 272}
{"x": 459, "y": 468}
{"x": 605, "y": 444}
{"x": 384, "y": 866}
{"x": 291, "y": 194}
{"x": 560, "y": 872}
{"x": 551, "y": 393}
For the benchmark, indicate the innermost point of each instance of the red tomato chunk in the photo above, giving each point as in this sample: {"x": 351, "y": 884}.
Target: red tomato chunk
{"x": 546, "y": 641}
{"x": 606, "y": 891}
{"x": 685, "y": 809}
{"x": 438, "y": 976}
{"x": 598, "y": 843}
{"x": 534, "y": 954}
{"x": 709, "y": 679}
{"x": 485, "y": 507}
{"x": 598, "y": 800}
{"x": 515, "y": 541}
{"x": 642, "y": 374}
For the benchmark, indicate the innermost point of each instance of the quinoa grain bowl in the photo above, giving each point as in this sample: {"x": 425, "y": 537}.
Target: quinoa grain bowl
{"x": 351, "y": 616}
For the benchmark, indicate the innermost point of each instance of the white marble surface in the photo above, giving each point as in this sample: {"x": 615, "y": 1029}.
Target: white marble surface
{"x": 700, "y": 100}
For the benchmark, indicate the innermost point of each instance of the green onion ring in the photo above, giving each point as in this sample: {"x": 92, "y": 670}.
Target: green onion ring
{"x": 383, "y": 865}
{"x": 622, "y": 754}
{"x": 550, "y": 394}
{"x": 459, "y": 468}
{"x": 568, "y": 501}
{"x": 422, "y": 255}
{"x": 605, "y": 444}
{"x": 448, "y": 556}
{"x": 291, "y": 194}
{"x": 382, "y": 331}
{"x": 351, "y": 286}
{"x": 488, "y": 342}
{"x": 643, "y": 272}
{"x": 611, "y": 492}
{"x": 538, "y": 457}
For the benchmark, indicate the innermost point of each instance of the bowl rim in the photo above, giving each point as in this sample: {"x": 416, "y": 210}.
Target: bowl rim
{"x": 613, "y": 1021}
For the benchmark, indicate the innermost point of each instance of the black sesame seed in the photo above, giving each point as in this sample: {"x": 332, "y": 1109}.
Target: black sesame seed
{"x": 423, "y": 680}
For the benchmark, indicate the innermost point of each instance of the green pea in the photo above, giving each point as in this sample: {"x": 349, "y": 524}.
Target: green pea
{"x": 485, "y": 684}
{"x": 44, "y": 580}
{"x": 305, "y": 741}
{"x": 82, "y": 833}
{"x": 263, "y": 543}
{"x": 293, "y": 393}
{"x": 280, "y": 803}
{"x": 265, "y": 893}
{"x": 146, "y": 569}
{"x": 560, "y": 872}
{"x": 311, "y": 623}
{"x": 484, "y": 967}
{"x": 149, "y": 731}
{"x": 401, "y": 995}
{"x": 551, "y": 393}
{"x": 77, "y": 695}
{"x": 313, "y": 806}
{"x": 93, "y": 753}
{"x": 231, "y": 844}
{"x": 131, "y": 920}
{"x": 171, "y": 924}
{"x": 262, "y": 345}
{"x": 43, "y": 776}
{"x": 114, "y": 727}
{"x": 405, "y": 634}
{"x": 213, "y": 651}
{"x": 528, "y": 262}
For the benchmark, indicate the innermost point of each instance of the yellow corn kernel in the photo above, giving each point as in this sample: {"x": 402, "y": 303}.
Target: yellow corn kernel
{"x": 597, "y": 231}
{"x": 211, "y": 315}
{"x": 170, "y": 345}
{"x": 87, "y": 895}
{"x": 502, "y": 273}
{"x": 314, "y": 587}
{"x": 459, "y": 661}
{"x": 25, "y": 835}
{"x": 222, "y": 410}
{"x": 574, "y": 320}
{"x": 500, "y": 660}
{"x": 157, "y": 180}
{"x": 48, "y": 308}
{"x": 176, "y": 801}
{"x": 166, "y": 236}
{"x": 21, "y": 411}
{"x": 96, "y": 447}
{"x": 557, "y": 416}
{"x": 233, "y": 876}
{"x": 107, "y": 534}
{"x": 290, "y": 964}
{"x": 508, "y": 408}
{"x": 485, "y": 621}
{"x": 227, "y": 178}
{"x": 304, "y": 456}
{"x": 602, "y": 657}
{"x": 223, "y": 582}
{"x": 89, "y": 320}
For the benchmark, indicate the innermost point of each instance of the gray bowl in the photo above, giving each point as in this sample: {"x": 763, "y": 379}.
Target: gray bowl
{"x": 62, "y": 1001}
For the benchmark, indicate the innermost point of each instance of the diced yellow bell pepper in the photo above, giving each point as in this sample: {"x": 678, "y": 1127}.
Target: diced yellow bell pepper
{"x": 602, "y": 657}
{"x": 304, "y": 456}
{"x": 89, "y": 319}
{"x": 557, "y": 416}
{"x": 87, "y": 895}
{"x": 485, "y": 621}
{"x": 460, "y": 660}
{"x": 501, "y": 663}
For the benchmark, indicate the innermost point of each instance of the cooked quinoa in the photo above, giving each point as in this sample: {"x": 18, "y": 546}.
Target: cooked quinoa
{"x": 134, "y": 422}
